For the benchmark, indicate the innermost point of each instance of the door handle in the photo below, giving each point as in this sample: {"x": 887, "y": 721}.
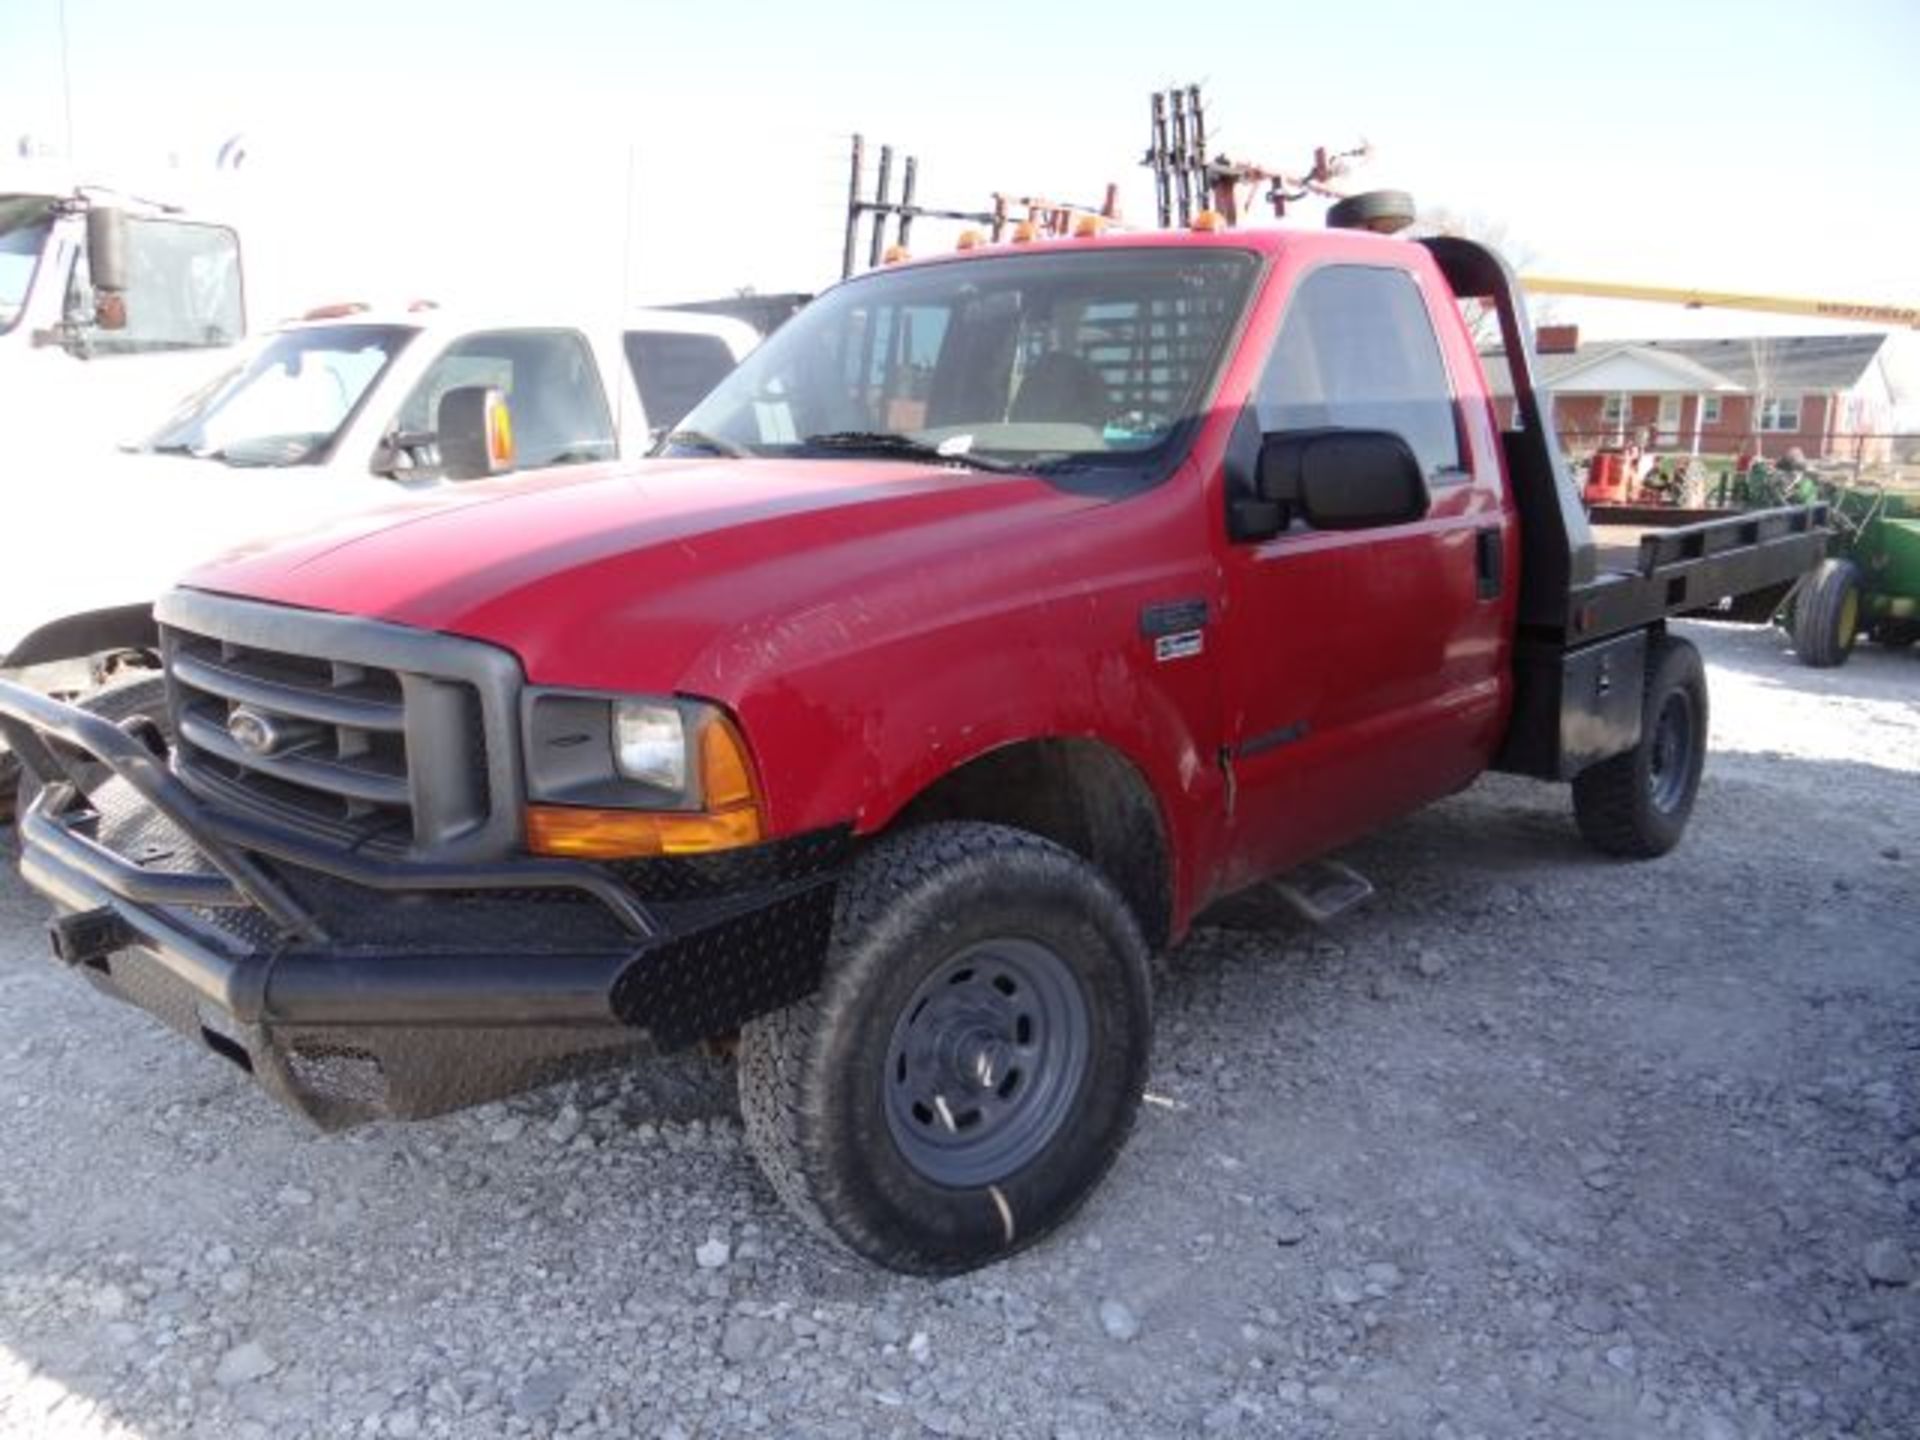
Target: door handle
{"x": 1487, "y": 560}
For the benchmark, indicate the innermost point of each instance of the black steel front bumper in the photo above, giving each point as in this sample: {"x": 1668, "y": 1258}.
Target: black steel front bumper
{"x": 354, "y": 987}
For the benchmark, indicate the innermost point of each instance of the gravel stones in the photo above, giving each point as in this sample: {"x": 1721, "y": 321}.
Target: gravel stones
{"x": 712, "y": 1254}
{"x": 1287, "y": 1226}
{"x": 244, "y": 1364}
{"x": 567, "y": 1124}
{"x": 543, "y": 1389}
{"x": 1593, "y": 1316}
{"x": 1118, "y": 1321}
{"x": 742, "y": 1339}
{"x": 1345, "y": 1288}
{"x": 1888, "y": 1262}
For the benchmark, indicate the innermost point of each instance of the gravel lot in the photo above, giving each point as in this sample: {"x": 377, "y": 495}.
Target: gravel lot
{"x": 1534, "y": 1144}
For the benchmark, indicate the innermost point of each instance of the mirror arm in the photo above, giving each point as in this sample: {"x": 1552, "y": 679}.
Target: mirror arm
{"x": 1249, "y": 518}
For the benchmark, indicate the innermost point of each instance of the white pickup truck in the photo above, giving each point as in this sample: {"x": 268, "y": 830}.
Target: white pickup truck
{"x": 328, "y": 415}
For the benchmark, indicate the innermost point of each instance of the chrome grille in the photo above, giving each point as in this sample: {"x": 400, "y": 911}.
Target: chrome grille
{"x": 347, "y": 730}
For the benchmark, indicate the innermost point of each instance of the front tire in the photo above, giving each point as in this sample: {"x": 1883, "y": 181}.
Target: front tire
{"x": 973, "y": 1060}
{"x": 1826, "y": 614}
{"x": 1636, "y": 804}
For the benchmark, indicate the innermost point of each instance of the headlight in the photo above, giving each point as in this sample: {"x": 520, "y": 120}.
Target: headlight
{"x": 615, "y": 777}
{"x": 650, "y": 744}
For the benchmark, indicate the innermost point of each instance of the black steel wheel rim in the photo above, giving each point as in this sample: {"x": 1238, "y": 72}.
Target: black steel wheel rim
{"x": 1671, "y": 758}
{"x": 986, "y": 1062}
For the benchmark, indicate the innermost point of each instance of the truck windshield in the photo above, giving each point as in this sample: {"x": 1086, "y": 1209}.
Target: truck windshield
{"x": 1075, "y": 357}
{"x": 25, "y": 223}
{"x": 288, "y": 403}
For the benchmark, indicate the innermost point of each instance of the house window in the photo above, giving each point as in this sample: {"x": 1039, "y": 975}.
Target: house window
{"x": 1615, "y": 412}
{"x": 1710, "y": 410}
{"x": 1780, "y": 413}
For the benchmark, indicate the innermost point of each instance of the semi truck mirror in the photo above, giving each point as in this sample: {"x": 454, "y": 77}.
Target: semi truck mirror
{"x": 107, "y": 243}
{"x": 475, "y": 433}
{"x": 1343, "y": 479}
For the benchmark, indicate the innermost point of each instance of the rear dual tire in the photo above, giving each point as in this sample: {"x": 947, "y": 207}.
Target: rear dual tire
{"x": 973, "y": 1060}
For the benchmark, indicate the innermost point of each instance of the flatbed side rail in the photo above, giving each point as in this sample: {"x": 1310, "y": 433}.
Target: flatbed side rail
{"x": 1694, "y": 567}
{"x": 1704, "y": 538}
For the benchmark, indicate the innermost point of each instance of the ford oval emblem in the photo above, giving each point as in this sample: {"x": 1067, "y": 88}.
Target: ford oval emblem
{"x": 252, "y": 731}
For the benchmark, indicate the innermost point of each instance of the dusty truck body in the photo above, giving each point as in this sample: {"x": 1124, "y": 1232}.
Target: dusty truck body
{"x": 996, "y": 616}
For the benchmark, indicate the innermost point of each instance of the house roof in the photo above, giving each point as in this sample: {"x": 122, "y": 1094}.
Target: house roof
{"x": 1779, "y": 363}
{"x": 1638, "y": 370}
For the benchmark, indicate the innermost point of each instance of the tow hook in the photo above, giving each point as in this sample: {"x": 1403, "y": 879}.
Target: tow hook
{"x": 87, "y": 936}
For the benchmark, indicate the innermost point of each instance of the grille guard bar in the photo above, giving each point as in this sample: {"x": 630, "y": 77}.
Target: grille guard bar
{"x": 147, "y": 773}
{"x": 228, "y": 843}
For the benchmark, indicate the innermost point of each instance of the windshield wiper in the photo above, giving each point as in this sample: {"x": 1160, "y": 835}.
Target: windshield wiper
{"x": 700, "y": 440}
{"x": 886, "y": 442}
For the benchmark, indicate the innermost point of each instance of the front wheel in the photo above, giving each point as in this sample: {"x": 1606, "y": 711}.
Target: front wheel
{"x": 1637, "y": 804}
{"x": 973, "y": 1060}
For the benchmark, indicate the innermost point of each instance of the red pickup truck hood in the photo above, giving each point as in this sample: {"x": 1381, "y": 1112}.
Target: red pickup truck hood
{"x": 657, "y": 559}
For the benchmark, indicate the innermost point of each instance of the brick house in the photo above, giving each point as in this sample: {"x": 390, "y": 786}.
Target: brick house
{"x": 1827, "y": 395}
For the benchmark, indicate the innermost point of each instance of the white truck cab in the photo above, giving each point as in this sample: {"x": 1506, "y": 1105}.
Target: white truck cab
{"x": 333, "y": 413}
{"x": 111, "y": 305}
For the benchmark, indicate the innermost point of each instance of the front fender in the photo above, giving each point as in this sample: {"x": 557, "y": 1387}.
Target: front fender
{"x": 72, "y": 637}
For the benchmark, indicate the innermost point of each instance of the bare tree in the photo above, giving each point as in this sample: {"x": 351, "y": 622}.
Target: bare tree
{"x": 1760, "y": 355}
{"x": 1482, "y": 323}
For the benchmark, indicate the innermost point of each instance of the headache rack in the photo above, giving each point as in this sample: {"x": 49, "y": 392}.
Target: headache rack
{"x": 1586, "y": 613}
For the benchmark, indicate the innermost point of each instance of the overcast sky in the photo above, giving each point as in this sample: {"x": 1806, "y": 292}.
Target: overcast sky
{"x": 471, "y": 148}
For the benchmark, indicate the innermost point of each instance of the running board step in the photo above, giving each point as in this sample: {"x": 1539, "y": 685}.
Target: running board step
{"x": 1322, "y": 889}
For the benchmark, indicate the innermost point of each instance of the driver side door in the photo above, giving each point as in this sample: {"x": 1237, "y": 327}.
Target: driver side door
{"x": 1367, "y": 664}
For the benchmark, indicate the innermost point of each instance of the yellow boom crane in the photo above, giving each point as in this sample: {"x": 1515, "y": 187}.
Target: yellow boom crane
{"x": 1866, "y": 312}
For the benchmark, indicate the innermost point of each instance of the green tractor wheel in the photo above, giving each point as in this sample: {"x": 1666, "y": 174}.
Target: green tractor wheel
{"x": 1826, "y": 614}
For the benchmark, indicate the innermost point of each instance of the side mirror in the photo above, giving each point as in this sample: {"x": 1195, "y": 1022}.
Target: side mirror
{"x": 1343, "y": 479}
{"x": 107, "y": 244}
{"x": 475, "y": 433}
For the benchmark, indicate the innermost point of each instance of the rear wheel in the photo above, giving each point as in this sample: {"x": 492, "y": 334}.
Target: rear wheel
{"x": 1637, "y": 804}
{"x": 1826, "y": 614}
{"x": 973, "y": 1060}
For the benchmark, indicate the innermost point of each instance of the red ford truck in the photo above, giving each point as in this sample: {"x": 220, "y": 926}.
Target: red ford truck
{"x": 996, "y": 616}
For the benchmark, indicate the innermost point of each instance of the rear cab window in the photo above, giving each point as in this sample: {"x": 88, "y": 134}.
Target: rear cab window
{"x": 673, "y": 371}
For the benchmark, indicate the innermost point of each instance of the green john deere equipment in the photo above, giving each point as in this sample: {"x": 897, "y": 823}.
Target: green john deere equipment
{"x": 1869, "y": 584}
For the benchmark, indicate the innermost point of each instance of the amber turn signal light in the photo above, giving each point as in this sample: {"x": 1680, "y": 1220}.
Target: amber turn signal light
{"x": 580, "y": 833}
{"x": 729, "y": 818}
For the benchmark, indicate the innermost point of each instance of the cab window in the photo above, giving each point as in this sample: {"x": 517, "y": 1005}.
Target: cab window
{"x": 673, "y": 370}
{"x": 1357, "y": 350}
{"x": 553, "y": 390}
{"x": 183, "y": 291}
